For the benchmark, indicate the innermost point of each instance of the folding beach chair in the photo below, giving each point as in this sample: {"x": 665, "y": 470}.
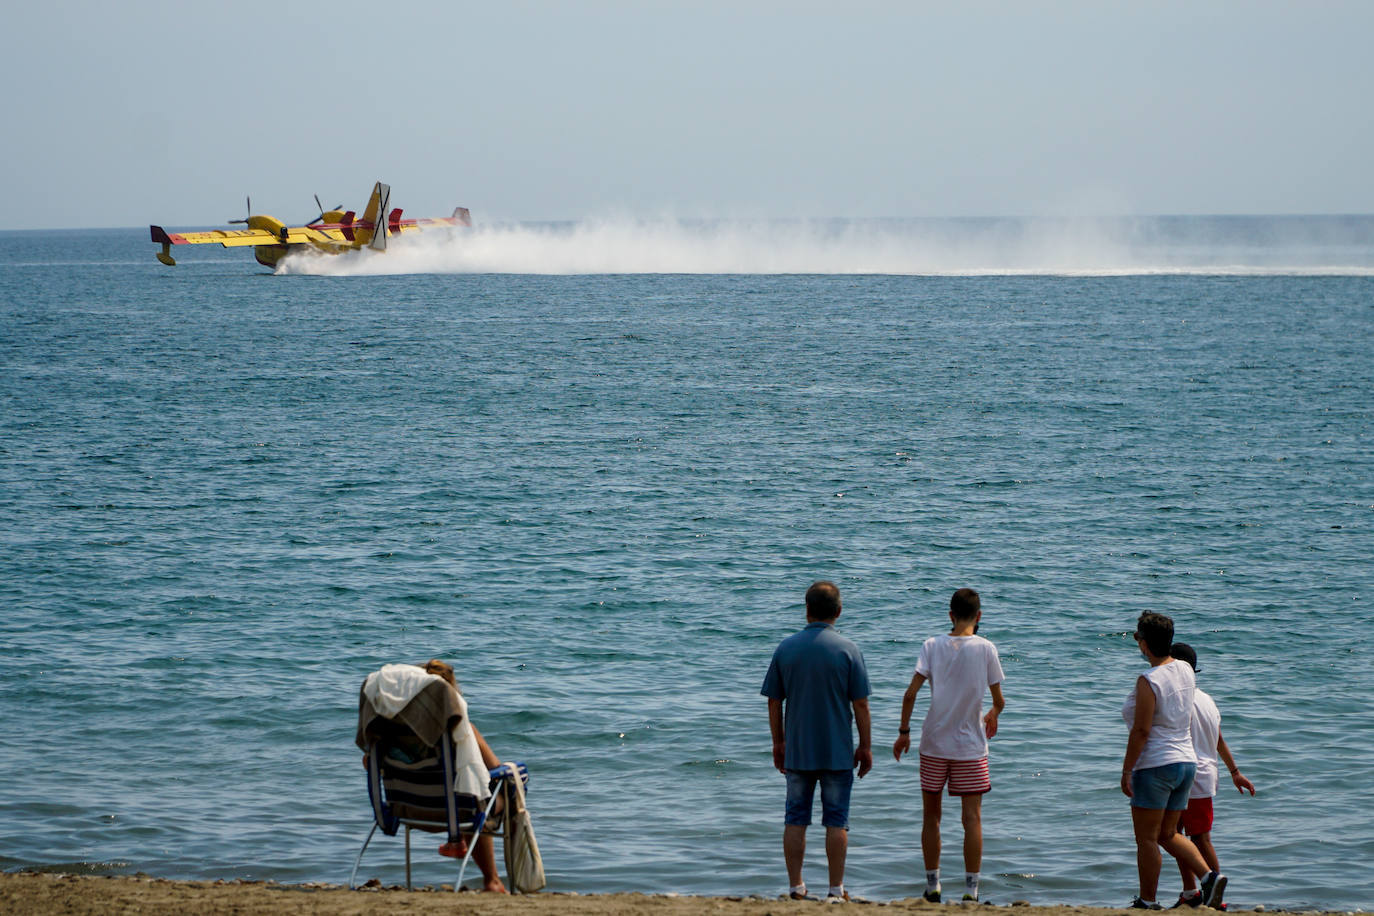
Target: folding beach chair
{"x": 410, "y": 785}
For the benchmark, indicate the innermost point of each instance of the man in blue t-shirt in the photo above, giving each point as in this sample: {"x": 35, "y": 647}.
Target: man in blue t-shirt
{"x": 814, "y": 680}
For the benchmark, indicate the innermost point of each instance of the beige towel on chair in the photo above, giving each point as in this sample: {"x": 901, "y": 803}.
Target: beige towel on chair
{"x": 427, "y": 705}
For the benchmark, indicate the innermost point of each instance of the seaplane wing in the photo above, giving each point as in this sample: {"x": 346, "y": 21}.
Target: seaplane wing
{"x": 238, "y": 238}
{"x": 332, "y": 232}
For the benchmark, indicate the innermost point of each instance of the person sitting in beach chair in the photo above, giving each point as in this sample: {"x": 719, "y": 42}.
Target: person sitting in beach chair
{"x": 429, "y": 768}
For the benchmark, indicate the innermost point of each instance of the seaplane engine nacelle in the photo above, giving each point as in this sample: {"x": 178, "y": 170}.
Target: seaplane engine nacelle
{"x": 268, "y": 224}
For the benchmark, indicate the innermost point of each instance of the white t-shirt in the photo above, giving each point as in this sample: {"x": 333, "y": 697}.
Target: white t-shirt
{"x": 1206, "y": 732}
{"x": 1170, "y": 738}
{"x": 960, "y": 669}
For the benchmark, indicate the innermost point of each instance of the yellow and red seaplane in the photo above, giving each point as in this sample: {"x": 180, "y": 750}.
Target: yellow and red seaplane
{"x": 332, "y": 232}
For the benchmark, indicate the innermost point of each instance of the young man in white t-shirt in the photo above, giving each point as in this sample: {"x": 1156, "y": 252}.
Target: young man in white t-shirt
{"x": 1208, "y": 745}
{"x": 961, "y": 668}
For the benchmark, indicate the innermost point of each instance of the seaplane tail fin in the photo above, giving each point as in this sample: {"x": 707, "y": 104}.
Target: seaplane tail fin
{"x": 461, "y": 216}
{"x": 377, "y": 206}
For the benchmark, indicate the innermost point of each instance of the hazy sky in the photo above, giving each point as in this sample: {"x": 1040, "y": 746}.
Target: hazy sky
{"x": 122, "y": 114}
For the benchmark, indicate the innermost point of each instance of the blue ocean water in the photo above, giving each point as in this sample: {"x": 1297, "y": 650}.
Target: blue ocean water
{"x": 598, "y": 480}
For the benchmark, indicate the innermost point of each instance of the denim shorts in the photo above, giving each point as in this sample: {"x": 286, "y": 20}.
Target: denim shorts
{"x": 1163, "y": 788}
{"x": 835, "y": 788}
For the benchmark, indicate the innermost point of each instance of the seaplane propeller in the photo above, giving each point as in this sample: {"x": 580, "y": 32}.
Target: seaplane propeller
{"x": 248, "y": 201}
{"x": 322, "y": 209}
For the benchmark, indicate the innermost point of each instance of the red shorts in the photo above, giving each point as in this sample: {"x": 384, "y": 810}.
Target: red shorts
{"x": 1197, "y": 820}
{"x": 965, "y": 777}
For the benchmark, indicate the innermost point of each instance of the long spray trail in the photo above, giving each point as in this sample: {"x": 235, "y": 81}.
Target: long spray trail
{"x": 934, "y": 247}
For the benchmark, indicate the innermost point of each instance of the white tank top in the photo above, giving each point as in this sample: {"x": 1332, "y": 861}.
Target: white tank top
{"x": 1170, "y": 738}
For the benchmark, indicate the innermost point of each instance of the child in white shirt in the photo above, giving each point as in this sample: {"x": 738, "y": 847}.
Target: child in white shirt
{"x": 1208, "y": 745}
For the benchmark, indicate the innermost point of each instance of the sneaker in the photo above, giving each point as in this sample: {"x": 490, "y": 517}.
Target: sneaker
{"x": 1186, "y": 900}
{"x": 1138, "y": 904}
{"x": 971, "y": 897}
{"x": 837, "y": 898}
{"x": 1213, "y": 886}
{"x": 932, "y": 896}
{"x": 802, "y": 896}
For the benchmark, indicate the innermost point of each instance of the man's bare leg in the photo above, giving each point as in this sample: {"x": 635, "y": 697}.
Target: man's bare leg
{"x": 836, "y": 847}
{"x": 930, "y": 829}
{"x": 973, "y": 832}
{"x": 794, "y": 851}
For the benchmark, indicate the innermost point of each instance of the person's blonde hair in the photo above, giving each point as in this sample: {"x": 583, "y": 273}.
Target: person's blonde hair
{"x": 442, "y": 669}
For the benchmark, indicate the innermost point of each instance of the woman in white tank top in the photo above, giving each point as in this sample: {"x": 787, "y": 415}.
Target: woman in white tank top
{"x": 1159, "y": 766}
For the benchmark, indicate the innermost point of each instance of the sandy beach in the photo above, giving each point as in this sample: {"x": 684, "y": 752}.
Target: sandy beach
{"x": 49, "y": 894}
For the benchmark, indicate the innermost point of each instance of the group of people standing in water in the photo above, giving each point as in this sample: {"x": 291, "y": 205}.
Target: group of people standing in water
{"x": 817, "y": 688}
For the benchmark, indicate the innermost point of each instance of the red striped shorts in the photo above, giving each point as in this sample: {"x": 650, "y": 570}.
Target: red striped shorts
{"x": 965, "y": 777}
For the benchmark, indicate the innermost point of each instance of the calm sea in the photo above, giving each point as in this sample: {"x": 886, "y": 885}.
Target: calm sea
{"x": 596, "y": 466}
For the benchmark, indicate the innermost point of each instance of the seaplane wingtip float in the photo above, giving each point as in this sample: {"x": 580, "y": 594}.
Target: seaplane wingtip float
{"x": 332, "y": 232}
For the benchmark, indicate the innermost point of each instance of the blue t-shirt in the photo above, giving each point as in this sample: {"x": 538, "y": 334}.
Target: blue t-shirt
{"x": 817, "y": 673}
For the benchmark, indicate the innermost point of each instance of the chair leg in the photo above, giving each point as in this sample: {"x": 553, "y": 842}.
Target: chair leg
{"x": 408, "y": 887}
{"x": 358, "y": 861}
{"x": 458, "y": 885}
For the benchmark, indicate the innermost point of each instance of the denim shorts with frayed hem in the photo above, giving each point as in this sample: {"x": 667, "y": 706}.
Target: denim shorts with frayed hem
{"x": 1163, "y": 788}
{"x": 836, "y": 786}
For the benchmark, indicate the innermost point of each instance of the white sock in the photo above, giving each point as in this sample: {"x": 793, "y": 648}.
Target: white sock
{"x": 971, "y": 883}
{"x": 799, "y": 889}
{"x": 933, "y": 880}
{"x": 837, "y": 890}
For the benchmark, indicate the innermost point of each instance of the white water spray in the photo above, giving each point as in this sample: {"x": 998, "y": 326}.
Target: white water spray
{"x": 946, "y": 247}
